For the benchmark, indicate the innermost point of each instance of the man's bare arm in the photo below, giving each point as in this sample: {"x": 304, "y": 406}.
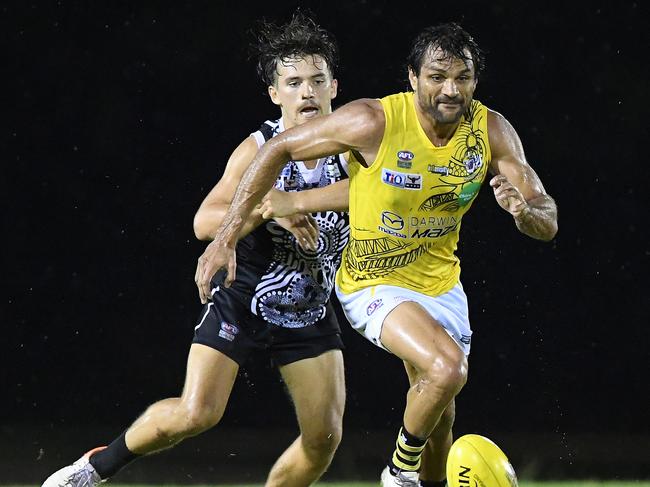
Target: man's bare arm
{"x": 214, "y": 207}
{"x": 356, "y": 126}
{"x": 334, "y": 197}
{"x": 517, "y": 188}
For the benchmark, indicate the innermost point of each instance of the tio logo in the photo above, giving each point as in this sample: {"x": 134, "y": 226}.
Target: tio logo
{"x": 394, "y": 179}
{"x": 401, "y": 179}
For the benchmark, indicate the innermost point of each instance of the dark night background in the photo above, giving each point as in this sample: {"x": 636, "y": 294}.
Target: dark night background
{"x": 117, "y": 120}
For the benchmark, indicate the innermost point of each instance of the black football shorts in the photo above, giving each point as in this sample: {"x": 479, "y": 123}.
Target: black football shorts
{"x": 227, "y": 325}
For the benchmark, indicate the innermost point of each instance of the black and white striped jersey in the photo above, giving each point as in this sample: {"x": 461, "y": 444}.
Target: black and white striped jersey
{"x": 286, "y": 285}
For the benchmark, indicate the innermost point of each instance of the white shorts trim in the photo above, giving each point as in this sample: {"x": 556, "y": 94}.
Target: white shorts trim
{"x": 367, "y": 308}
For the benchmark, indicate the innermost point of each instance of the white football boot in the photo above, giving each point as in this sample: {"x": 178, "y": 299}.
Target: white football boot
{"x": 402, "y": 479}
{"x": 80, "y": 474}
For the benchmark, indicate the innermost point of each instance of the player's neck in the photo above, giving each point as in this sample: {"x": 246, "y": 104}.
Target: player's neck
{"x": 438, "y": 133}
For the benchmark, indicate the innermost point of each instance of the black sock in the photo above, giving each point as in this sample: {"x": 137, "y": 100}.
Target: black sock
{"x": 432, "y": 483}
{"x": 408, "y": 450}
{"x": 110, "y": 460}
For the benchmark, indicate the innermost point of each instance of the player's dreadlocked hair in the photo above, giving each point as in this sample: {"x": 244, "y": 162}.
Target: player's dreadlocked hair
{"x": 452, "y": 39}
{"x": 296, "y": 39}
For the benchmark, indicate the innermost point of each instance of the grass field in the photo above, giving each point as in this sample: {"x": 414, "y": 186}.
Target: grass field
{"x": 590, "y": 483}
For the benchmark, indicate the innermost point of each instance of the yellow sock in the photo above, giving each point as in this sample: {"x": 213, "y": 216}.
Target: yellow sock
{"x": 408, "y": 452}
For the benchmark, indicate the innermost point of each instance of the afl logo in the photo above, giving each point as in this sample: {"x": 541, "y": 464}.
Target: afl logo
{"x": 405, "y": 155}
{"x": 227, "y": 327}
{"x": 374, "y": 306}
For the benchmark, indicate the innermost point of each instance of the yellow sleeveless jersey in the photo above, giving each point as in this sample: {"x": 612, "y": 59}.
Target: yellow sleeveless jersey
{"x": 405, "y": 209}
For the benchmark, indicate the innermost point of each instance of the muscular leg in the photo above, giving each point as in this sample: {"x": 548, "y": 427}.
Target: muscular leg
{"x": 438, "y": 364}
{"x": 208, "y": 384}
{"x": 434, "y": 458}
{"x": 317, "y": 388}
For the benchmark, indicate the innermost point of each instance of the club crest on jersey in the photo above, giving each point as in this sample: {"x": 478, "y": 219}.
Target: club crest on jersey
{"x": 404, "y": 158}
{"x": 472, "y": 162}
{"x": 374, "y": 306}
{"x": 333, "y": 171}
{"x": 403, "y": 180}
{"x": 228, "y": 331}
{"x": 287, "y": 180}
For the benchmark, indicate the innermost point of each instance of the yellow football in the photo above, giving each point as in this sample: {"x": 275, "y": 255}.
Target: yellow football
{"x": 475, "y": 461}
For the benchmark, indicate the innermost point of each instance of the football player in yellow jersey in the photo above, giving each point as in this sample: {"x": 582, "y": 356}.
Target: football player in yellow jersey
{"x": 399, "y": 278}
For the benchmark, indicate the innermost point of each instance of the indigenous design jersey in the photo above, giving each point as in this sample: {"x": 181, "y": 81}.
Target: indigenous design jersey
{"x": 290, "y": 287}
{"x": 406, "y": 208}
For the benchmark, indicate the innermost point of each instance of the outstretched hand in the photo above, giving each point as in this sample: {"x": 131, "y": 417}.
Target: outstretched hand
{"x": 277, "y": 204}
{"x": 217, "y": 256}
{"x": 304, "y": 228}
{"x": 508, "y": 196}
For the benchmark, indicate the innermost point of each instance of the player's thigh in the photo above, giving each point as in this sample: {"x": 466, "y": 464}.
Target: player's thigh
{"x": 413, "y": 335}
{"x": 317, "y": 388}
{"x": 209, "y": 378}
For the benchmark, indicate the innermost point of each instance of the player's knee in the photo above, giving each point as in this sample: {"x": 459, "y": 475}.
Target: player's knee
{"x": 322, "y": 443}
{"x": 448, "y": 373}
{"x": 197, "y": 419}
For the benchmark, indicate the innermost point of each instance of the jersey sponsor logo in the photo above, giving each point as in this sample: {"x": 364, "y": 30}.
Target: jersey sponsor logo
{"x": 404, "y": 165}
{"x": 394, "y": 233}
{"x": 432, "y": 226}
{"x": 466, "y": 339}
{"x": 417, "y": 226}
{"x": 401, "y": 180}
{"x": 392, "y": 220}
{"x": 413, "y": 181}
{"x": 431, "y": 221}
{"x": 468, "y": 193}
{"x": 432, "y": 168}
{"x": 391, "y": 223}
{"x": 374, "y": 306}
{"x": 432, "y": 232}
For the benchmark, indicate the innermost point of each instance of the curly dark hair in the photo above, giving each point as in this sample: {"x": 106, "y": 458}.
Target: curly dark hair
{"x": 453, "y": 40}
{"x": 298, "y": 38}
